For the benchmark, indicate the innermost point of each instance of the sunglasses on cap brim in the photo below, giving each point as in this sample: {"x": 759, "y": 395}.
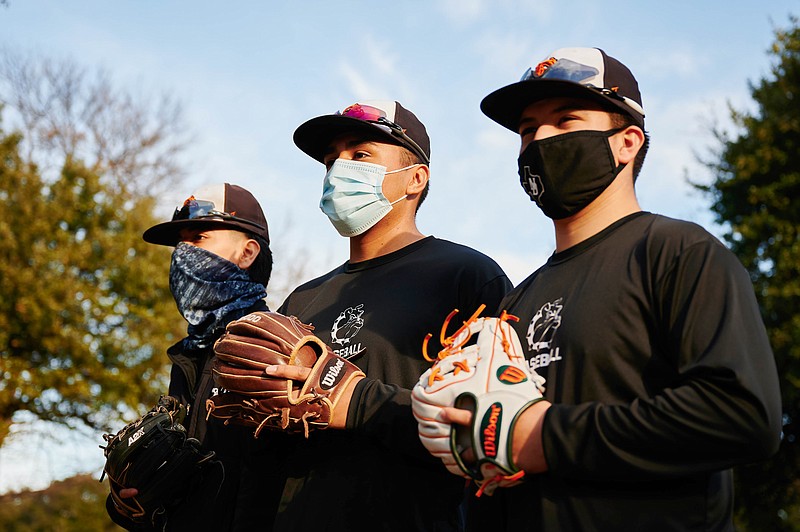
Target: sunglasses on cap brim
{"x": 194, "y": 209}
{"x": 373, "y": 115}
{"x": 568, "y": 70}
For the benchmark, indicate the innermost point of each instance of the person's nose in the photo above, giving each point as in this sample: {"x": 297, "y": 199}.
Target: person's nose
{"x": 545, "y": 131}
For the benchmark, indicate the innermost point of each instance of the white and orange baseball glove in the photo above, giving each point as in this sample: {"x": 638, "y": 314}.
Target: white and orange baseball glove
{"x": 489, "y": 377}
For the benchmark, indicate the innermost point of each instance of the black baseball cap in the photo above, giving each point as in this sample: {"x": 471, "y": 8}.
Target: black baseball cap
{"x": 388, "y": 120}
{"x": 577, "y": 72}
{"x": 218, "y": 206}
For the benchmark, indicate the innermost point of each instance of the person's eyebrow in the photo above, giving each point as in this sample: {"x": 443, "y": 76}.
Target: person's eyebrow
{"x": 350, "y": 144}
{"x": 567, "y": 107}
{"x": 525, "y": 122}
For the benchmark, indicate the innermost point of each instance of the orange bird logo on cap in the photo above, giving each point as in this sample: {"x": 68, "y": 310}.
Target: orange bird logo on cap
{"x": 542, "y": 67}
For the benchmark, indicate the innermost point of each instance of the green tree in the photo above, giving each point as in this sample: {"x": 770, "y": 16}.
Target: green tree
{"x": 85, "y": 313}
{"x": 75, "y": 504}
{"x": 756, "y": 197}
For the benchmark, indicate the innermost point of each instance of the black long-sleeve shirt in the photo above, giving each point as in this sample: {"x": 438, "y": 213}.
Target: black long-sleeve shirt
{"x": 375, "y": 474}
{"x": 661, "y": 378}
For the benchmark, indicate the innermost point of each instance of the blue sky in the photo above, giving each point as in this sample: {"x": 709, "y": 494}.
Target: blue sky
{"x": 249, "y": 72}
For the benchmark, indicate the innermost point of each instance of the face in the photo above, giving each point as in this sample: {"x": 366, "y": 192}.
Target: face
{"x": 357, "y": 148}
{"x": 228, "y": 244}
{"x": 556, "y": 116}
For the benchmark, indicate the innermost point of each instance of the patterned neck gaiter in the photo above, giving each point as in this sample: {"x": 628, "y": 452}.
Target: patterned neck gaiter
{"x": 210, "y": 292}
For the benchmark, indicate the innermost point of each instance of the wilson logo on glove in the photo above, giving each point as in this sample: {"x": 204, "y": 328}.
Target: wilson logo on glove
{"x": 491, "y": 379}
{"x": 511, "y": 375}
{"x": 332, "y": 374}
{"x": 493, "y": 418}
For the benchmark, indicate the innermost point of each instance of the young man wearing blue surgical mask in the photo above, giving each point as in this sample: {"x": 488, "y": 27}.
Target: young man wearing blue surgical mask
{"x": 219, "y": 271}
{"x": 659, "y": 374}
{"x": 369, "y": 471}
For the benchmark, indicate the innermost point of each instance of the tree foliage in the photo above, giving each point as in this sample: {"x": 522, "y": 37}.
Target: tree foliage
{"x": 86, "y": 310}
{"x": 756, "y": 196}
{"x": 75, "y": 504}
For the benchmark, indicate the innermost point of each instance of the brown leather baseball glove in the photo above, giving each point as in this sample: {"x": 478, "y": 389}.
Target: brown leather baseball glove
{"x": 254, "y": 399}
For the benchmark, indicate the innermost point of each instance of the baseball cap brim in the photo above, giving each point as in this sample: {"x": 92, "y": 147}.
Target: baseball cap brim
{"x": 168, "y": 233}
{"x": 505, "y": 105}
{"x": 314, "y": 137}
{"x": 213, "y": 206}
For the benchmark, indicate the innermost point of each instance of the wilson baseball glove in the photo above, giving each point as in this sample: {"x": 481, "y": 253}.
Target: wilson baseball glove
{"x": 254, "y": 399}
{"x": 154, "y": 455}
{"x": 490, "y": 378}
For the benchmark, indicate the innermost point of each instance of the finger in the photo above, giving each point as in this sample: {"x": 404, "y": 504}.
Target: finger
{"x": 296, "y": 373}
{"x": 456, "y": 415}
{"x": 127, "y": 493}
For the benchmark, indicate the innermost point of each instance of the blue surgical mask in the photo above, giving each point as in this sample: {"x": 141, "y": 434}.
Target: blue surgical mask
{"x": 352, "y": 195}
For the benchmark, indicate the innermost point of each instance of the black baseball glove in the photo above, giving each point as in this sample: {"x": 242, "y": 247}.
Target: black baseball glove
{"x": 154, "y": 455}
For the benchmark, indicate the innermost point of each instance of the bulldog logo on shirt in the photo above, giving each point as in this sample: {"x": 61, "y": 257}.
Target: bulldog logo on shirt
{"x": 543, "y": 326}
{"x": 344, "y": 328}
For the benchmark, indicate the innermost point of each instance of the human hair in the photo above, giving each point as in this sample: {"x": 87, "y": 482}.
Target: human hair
{"x": 407, "y": 158}
{"x": 621, "y": 121}
{"x": 261, "y": 269}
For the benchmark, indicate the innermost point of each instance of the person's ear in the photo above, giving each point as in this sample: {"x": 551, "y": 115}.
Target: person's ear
{"x": 418, "y": 181}
{"x": 632, "y": 140}
{"x": 250, "y": 251}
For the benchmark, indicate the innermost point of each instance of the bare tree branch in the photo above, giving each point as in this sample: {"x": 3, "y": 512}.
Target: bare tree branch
{"x": 67, "y": 112}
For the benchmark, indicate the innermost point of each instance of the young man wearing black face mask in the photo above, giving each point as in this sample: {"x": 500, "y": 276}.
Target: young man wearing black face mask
{"x": 219, "y": 272}
{"x": 659, "y": 374}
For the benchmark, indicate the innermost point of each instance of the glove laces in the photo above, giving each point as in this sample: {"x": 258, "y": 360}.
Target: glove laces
{"x": 492, "y": 482}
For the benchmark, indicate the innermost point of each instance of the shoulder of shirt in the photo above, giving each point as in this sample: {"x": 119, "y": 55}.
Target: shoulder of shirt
{"x": 665, "y": 241}
{"x": 454, "y": 247}
{"x": 311, "y": 285}
{"x": 669, "y": 236}
{"x": 666, "y": 231}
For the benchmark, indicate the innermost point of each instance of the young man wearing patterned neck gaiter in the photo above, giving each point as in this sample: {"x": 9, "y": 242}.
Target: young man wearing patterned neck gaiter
{"x": 219, "y": 272}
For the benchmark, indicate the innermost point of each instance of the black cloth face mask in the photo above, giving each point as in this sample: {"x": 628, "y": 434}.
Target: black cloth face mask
{"x": 565, "y": 173}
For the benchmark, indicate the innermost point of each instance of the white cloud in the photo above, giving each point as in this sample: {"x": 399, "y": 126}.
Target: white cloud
{"x": 376, "y": 72}
{"x": 356, "y": 81}
{"x": 382, "y": 62}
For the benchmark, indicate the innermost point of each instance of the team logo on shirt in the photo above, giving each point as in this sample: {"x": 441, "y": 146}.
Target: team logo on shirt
{"x": 543, "y": 326}
{"x": 344, "y": 328}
